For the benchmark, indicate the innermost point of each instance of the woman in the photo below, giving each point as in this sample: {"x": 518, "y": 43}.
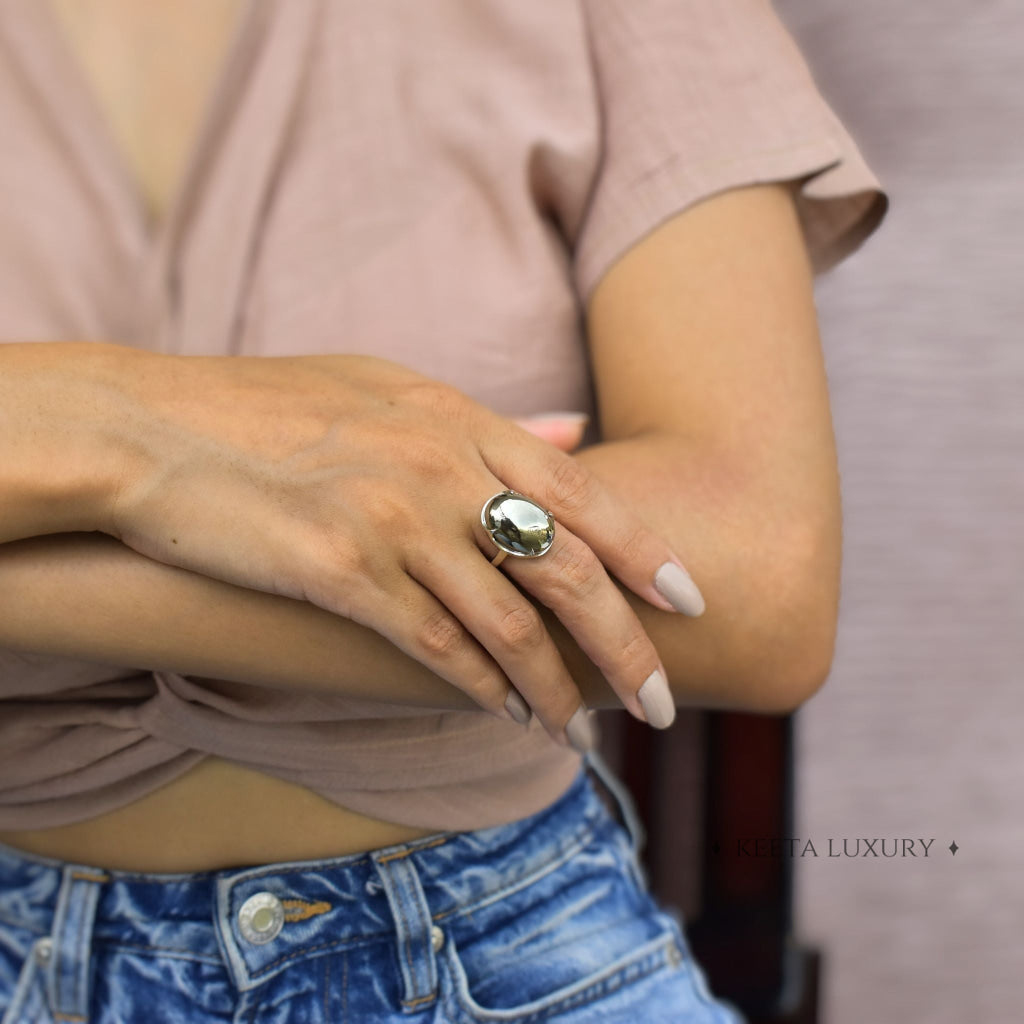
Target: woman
{"x": 439, "y": 219}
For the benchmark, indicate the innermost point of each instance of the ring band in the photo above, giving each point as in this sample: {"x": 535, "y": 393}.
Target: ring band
{"x": 517, "y": 525}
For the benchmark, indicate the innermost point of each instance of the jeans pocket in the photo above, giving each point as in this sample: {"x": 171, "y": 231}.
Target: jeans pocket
{"x": 25, "y": 1002}
{"x": 581, "y": 933}
{"x": 565, "y": 984}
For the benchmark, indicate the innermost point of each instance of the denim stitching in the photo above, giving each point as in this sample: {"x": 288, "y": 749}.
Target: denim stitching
{"x": 79, "y": 936}
{"x": 184, "y": 954}
{"x": 327, "y": 986}
{"x": 158, "y": 879}
{"x": 314, "y": 867}
{"x": 317, "y": 866}
{"x": 419, "y": 999}
{"x": 340, "y": 944}
{"x": 22, "y": 924}
{"x": 407, "y": 950}
{"x": 527, "y": 880}
{"x": 399, "y": 854}
{"x": 405, "y": 941}
{"x": 628, "y": 974}
{"x": 302, "y": 910}
{"x": 90, "y": 876}
{"x": 344, "y": 990}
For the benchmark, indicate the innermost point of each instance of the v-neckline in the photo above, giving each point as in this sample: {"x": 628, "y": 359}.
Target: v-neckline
{"x": 187, "y": 278}
{"x": 78, "y": 113}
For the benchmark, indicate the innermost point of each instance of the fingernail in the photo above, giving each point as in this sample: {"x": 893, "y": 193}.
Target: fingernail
{"x": 516, "y": 707}
{"x": 572, "y": 417}
{"x": 675, "y": 584}
{"x": 579, "y": 732}
{"x": 656, "y": 700}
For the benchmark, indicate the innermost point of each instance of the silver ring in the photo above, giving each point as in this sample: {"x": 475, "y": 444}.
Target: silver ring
{"x": 517, "y": 525}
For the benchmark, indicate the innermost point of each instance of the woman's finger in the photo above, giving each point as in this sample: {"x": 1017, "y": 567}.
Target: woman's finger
{"x": 576, "y": 498}
{"x": 562, "y": 429}
{"x": 428, "y": 632}
{"x": 571, "y": 580}
{"x": 504, "y": 622}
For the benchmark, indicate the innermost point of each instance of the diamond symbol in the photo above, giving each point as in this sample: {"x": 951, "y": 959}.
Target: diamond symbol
{"x": 953, "y": 847}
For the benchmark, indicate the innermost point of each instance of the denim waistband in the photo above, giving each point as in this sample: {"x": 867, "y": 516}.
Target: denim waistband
{"x": 259, "y": 920}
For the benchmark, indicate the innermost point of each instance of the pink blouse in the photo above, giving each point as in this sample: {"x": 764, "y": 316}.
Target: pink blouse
{"x": 440, "y": 184}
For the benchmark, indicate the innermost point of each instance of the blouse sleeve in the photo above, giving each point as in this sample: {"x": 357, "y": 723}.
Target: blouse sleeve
{"x": 699, "y": 96}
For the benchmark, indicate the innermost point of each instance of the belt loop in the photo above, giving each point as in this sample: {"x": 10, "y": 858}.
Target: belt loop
{"x": 412, "y": 919}
{"x": 627, "y": 807}
{"x": 72, "y": 940}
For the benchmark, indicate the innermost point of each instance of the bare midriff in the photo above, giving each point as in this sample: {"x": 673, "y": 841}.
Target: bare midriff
{"x": 218, "y": 815}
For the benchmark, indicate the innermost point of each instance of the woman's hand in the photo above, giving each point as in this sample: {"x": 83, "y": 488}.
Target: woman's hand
{"x": 356, "y": 484}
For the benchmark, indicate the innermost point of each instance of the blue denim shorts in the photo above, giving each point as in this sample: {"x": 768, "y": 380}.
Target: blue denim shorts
{"x": 544, "y": 919}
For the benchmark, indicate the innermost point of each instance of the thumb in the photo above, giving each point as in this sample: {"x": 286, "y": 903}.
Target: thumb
{"x": 562, "y": 429}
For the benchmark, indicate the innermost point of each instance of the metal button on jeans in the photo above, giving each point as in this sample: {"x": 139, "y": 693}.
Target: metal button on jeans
{"x": 261, "y": 918}
{"x": 436, "y": 938}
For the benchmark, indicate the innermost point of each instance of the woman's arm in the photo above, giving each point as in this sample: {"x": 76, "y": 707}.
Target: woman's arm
{"x": 712, "y": 390}
{"x": 86, "y": 595}
{"x": 349, "y": 482}
{"x": 714, "y": 400}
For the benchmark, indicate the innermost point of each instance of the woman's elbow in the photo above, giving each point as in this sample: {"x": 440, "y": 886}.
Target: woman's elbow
{"x": 792, "y": 656}
{"x": 771, "y": 630}
{"x": 781, "y": 684}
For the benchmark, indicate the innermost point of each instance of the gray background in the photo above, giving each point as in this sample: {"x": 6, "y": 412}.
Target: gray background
{"x": 919, "y": 731}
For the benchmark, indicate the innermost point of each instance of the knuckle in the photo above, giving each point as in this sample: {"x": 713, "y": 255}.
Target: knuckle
{"x": 572, "y": 486}
{"x": 487, "y": 691}
{"x": 520, "y": 626}
{"x": 430, "y": 456}
{"x": 636, "y": 647}
{"x": 578, "y": 568}
{"x": 633, "y": 544}
{"x": 389, "y": 507}
{"x": 340, "y": 578}
{"x": 440, "y": 635}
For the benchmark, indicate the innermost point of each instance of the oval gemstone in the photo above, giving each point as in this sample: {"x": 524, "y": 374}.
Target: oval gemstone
{"x": 519, "y": 526}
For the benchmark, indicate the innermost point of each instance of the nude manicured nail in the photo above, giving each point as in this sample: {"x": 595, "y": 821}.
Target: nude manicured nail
{"x": 579, "y": 731}
{"x": 674, "y": 584}
{"x": 571, "y": 417}
{"x": 516, "y": 707}
{"x": 656, "y": 700}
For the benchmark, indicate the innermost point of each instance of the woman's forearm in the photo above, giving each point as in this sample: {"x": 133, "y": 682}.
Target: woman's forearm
{"x": 88, "y": 596}
{"x": 65, "y": 433}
